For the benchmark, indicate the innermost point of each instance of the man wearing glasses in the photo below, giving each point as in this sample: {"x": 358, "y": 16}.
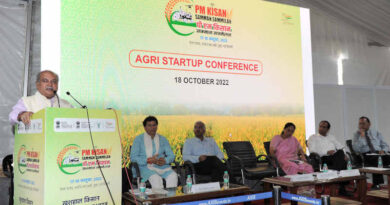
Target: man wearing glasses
{"x": 47, "y": 86}
{"x": 371, "y": 144}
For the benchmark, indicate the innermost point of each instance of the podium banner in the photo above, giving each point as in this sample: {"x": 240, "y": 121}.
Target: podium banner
{"x": 55, "y": 162}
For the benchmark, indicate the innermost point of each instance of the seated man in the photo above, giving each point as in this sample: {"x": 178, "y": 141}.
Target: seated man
{"x": 204, "y": 153}
{"x": 154, "y": 155}
{"x": 330, "y": 151}
{"x": 367, "y": 140}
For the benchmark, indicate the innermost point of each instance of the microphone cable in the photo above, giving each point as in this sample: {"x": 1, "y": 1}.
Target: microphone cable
{"x": 58, "y": 98}
{"x": 127, "y": 173}
{"x": 97, "y": 160}
{"x": 93, "y": 146}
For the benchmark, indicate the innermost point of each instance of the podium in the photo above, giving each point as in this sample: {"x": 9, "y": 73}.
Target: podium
{"x": 54, "y": 161}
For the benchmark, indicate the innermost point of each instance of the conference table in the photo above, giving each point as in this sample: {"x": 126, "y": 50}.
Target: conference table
{"x": 176, "y": 195}
{"x": 383, "y": 193}
{"x": 294, "y": 185}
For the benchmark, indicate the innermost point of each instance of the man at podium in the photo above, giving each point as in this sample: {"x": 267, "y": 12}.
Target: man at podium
{"x": 46, "y": 96}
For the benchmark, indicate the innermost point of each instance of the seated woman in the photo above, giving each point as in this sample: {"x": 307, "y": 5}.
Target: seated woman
{"x": 154, "y": 155}
{"x": 285, "y": 148}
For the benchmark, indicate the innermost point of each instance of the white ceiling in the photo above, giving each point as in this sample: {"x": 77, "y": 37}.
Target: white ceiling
{"x": 370, "y": 16}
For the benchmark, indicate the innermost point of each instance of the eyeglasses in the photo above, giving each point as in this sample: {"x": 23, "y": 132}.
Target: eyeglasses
{"x": 55, "y": 81}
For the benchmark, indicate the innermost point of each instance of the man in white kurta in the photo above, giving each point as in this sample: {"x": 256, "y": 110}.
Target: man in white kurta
{"x": 153, "y": 155}
{"x": 47, "y": 86}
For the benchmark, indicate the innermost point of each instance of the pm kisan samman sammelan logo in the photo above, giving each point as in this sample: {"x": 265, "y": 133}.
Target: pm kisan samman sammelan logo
{"x": 22, "y": 160}
{"x": 179, "y": 15}
{"x": 68, "y": 160}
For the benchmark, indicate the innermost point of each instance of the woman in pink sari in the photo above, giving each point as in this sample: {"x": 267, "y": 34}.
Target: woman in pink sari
{"x": 285, "y": 148}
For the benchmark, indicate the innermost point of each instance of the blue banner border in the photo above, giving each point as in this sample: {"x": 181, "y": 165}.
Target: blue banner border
{"x": 229, "y": 200}
{"x": 299, "y": 198}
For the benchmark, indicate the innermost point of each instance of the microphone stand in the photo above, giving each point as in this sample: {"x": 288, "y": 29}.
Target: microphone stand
{"x": 93, "y": 146}
{"x": 82, "y": 106}
{"x": 58, "y": 99}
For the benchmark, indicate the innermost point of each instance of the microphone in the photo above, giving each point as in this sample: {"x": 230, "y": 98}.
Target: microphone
{"x": 58, "y": 99}
{"x": 82, "y": 106}
{"x": 93, "y": 145}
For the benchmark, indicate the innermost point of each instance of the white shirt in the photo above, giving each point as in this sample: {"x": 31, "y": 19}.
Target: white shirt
{"x": 194, "y": 147}
{"x": 322, "y": 144}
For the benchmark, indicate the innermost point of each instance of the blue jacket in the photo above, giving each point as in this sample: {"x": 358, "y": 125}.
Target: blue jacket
{"x": 138, "y": 154}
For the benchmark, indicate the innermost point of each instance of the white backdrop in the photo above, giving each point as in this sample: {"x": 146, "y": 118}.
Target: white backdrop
{"x": 12, "y": 41}
{"x": 13, "y": 23}
{"x": 366, "y": 78}
{"x": 366, "y": 69}
{"x": 343, "y": 105}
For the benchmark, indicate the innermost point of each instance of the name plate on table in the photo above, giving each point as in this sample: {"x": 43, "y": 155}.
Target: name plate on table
{"x": 301, "y": 177}
{"x": 377, "y": 168}
{"x": 349, "y": 173}
{"x": 327, "y": 175}
{"x": 198, "y": 188}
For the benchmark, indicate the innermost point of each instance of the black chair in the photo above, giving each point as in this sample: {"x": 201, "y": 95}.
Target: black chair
{"x": 129, "y": 171}
{"x": 315, "y": 160}
{"x": 125, "y": 181}
{"x": 243, "y": 163}
{"x": 357, "y": 159}
{"x": 274, "y": 161}
{"x": 189, "y": 168}
{"x": 7, "y": 165}
{"x": 8, "y": 171}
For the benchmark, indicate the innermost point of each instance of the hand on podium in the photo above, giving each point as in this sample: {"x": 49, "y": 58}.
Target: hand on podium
{"x": 25, "y": 117}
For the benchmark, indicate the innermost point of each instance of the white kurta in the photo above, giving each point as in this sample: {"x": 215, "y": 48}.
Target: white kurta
{"x": 38, "y": 102}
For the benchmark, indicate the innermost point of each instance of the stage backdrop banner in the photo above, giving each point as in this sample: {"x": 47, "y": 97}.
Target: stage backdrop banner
{"x": 235, "y": 65}
{"x": 54, "y": 162}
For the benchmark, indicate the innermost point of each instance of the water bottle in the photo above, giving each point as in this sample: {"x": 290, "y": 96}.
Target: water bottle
{"x": 138, "y": 182}
{"x": 225, "y": 180}
{"x": 142, "y": 189}
{"x": 325, "y": 168}
{"x": 349, "y": 165}
{"x": 380, "y": 162}
{"x": 189, "y": 183}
